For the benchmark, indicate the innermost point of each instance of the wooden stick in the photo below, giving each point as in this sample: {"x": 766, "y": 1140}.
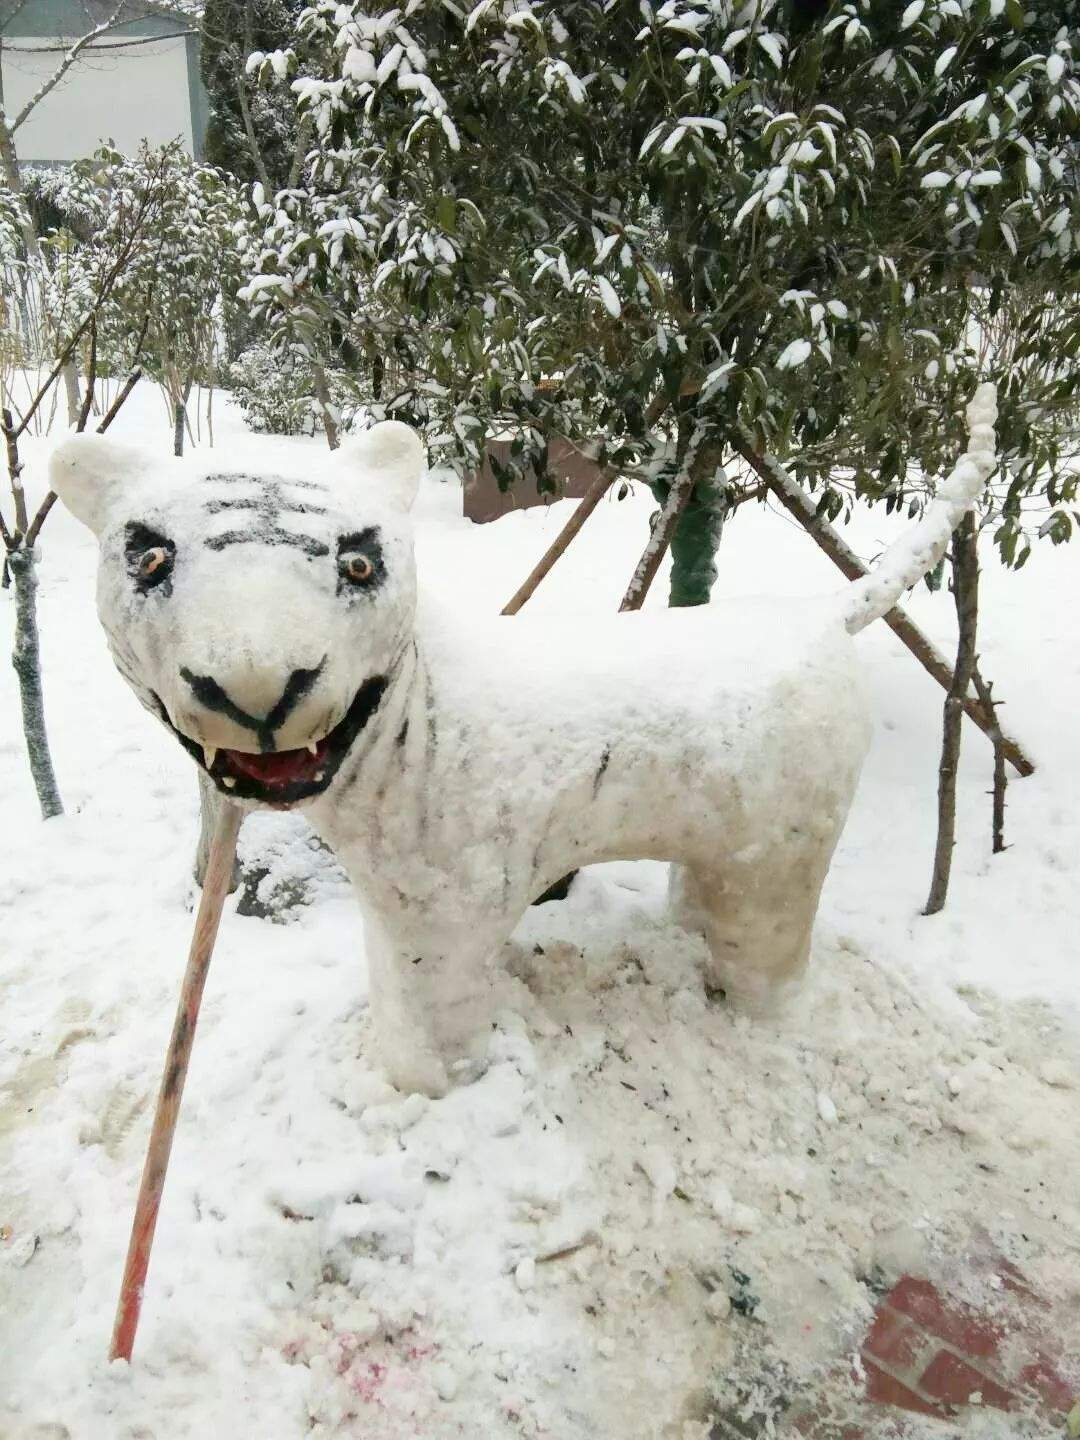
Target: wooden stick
{"x": 218, "y": 875}
{"x": 592, "y": 497}
{"x": 645, "y": 570}
{"x": 798, "y": 504}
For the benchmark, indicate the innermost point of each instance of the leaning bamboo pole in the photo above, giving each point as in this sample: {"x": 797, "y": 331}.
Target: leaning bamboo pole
{"x": 218, "y": 877}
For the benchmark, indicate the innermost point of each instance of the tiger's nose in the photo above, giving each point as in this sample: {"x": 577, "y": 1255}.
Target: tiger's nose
{"x": 244, "y": 699}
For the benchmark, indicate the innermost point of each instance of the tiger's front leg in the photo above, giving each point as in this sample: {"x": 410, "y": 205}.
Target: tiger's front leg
{"x": 431, "y": 996}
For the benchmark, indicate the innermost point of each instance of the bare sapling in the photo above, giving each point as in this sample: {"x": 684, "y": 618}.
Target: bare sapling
{"x": 1001, "y": 780}
{"x": 965, "y": 586}
{"x": 20, "y": 538}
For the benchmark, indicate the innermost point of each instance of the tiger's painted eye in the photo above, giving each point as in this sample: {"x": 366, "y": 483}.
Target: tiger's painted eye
{"x": 151, "y": 562}
{"x": 356, "y": 568}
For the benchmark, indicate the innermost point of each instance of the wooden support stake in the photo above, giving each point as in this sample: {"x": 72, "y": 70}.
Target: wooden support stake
{"x": 798, "y": 504}
{"x": 218, "y": 876}
{"x": 645, "y": 570}
{"x": 592, "y": 497}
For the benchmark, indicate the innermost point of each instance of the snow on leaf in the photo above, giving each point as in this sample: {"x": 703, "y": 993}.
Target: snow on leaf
{"x": 936, "y": 180}
{"x": 944, "y": 60}
{"x": 358, "y": 65}
{"x": 772, "y": 46}
{"x": 477, "y": 14}
{"x": 649, "y": 141}
{"x": 605, "y": 247}
{"x": 747, "y": 206}
{"x": 608, "y": 297}
{"x": 776, "y": 181}
{"x": 1055, "y": 68}
{"x": 794, "y": 355}
{"x": 716, "y": 377}
{"x": 1033, "y": 172}
{"x": 911, "y": 14}
{"x": 987, "y": 177}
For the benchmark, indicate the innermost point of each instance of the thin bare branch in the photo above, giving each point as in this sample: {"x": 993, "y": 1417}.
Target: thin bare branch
{"x": 121, "y": 395}
{"x": 47, "y": 86}
{"x": 249, "y": 127}
{"x": 91, "y": 377}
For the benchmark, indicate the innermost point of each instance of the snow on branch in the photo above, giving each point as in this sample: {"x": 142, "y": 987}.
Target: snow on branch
{"x": 65, "y": 65}
{"x": 919, "y": 550}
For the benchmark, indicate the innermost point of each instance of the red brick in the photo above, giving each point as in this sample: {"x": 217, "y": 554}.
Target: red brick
{"x": 954, "y": 1381}
{"x": 1016, "y": 1282}
{"x": 884, "y": 1389}
{"x": 971, "y": 1334}
{"x": 894, "y": 1339}
{"x": 1041, "y": 1377}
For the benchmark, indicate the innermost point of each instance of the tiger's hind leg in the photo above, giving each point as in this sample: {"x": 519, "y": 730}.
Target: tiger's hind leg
{"x": 756, "y": 913}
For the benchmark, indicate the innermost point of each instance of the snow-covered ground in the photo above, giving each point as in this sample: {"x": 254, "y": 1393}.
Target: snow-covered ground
{"x": 553, "y": 1250}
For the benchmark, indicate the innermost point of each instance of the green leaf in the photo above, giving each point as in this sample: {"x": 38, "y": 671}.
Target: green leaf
{"x": 446, "y": 213}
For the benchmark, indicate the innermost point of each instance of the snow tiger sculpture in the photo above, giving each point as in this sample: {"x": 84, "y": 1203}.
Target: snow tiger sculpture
{"x": 270, "y": 620}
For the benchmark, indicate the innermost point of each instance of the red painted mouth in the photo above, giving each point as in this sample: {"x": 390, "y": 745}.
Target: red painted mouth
{"x": 285, "y": 777}
{"x": 278, "y": 770}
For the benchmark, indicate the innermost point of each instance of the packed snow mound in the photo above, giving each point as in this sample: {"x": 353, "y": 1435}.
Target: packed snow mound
{"x": 644, "y": 1192}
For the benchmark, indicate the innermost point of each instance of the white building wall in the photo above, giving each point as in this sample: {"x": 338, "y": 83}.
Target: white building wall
{"x": 128, "y": 95}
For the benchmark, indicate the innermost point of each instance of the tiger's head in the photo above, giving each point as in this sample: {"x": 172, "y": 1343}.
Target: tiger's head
{"x": 258, "y": 611}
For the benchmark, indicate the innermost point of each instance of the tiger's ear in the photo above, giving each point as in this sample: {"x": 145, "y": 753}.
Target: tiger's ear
{"x": 89, "y": 473}
{"x": 390, "y": 459}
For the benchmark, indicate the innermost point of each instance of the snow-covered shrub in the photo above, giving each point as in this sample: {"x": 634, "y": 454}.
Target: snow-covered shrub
{"x": 171, "y": 309}
{"x": 275, "y": 390}
{"x": 12, "y": 258}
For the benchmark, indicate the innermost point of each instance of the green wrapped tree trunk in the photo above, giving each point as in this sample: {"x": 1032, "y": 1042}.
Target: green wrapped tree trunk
{"x": 696, "y": 540}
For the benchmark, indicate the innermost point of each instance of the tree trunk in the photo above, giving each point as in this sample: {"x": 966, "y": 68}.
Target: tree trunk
{"x": 966, "y": 595}
{"x": 180, "y": 420}
{"x": 26, "y": 659}
{"x": 70, "y": 375}
{"x": 326, "y": 406}
{"x": 695, "y": 541}
{"x": 697, "y": 471}
{"x": 210, "y": 807}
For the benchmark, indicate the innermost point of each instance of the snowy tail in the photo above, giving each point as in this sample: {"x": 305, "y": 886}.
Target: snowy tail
{"x": 905, "y": 563}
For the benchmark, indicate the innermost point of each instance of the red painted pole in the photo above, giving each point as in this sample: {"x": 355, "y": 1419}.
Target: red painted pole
{"x": 215, "y": 888}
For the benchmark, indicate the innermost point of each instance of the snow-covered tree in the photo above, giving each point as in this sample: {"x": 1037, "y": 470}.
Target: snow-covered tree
{"x": 652, "y": 228}
{"x": 252, "y": 131}
{"x": 75, "y": 284}
{"x": 171, "y": 308}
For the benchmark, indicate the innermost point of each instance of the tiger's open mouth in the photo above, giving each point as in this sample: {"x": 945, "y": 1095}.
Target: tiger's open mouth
{"x": 281, "y": 778}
